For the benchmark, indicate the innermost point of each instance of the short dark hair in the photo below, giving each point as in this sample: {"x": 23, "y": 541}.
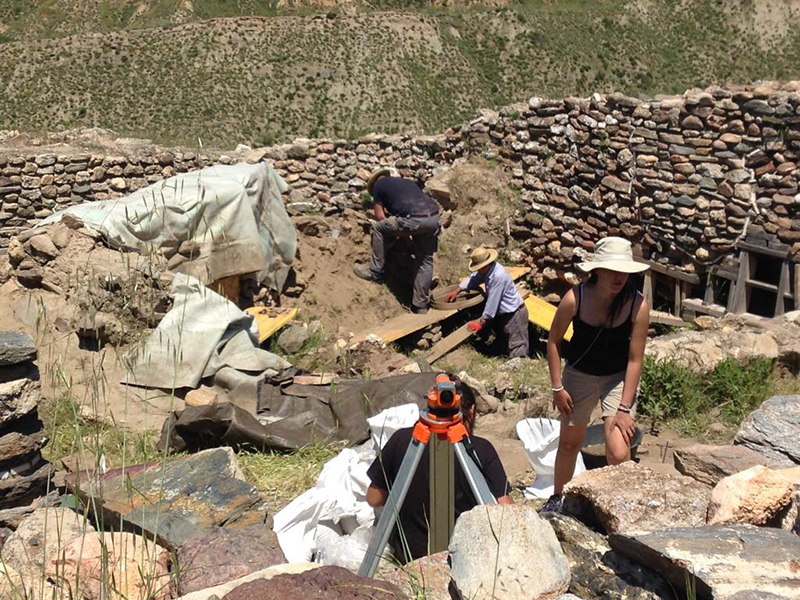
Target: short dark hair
{"x": 465, "y": 391}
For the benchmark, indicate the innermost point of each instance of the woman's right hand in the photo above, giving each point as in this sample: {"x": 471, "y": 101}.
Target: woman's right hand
{"x": 563, "y": 402}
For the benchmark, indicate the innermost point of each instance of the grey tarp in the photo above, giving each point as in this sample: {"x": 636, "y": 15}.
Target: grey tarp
{"x": 304, "y": 413}
{"x": 235, "y": 214}
{"x": 203, "y": 334}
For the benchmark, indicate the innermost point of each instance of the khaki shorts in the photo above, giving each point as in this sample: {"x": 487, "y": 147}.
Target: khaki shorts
{"x": 587, "y": 389}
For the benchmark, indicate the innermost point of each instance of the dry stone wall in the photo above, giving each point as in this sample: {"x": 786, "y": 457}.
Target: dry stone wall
{"x": 683, "y": 177}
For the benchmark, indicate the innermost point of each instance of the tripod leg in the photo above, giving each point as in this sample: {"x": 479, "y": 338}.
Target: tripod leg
{"x": 477, "y": 482}
{"x": 394, "y": 503}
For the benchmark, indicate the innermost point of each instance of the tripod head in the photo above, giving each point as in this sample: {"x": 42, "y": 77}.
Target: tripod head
{"x": 444, "y": 401}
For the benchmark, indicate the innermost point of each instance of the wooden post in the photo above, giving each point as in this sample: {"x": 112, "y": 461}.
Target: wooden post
{"x": 708, "y": 297}
{"x": 648, "y": 288}
{"x": 783, "y": 289}
{"x": 737, "y": 302}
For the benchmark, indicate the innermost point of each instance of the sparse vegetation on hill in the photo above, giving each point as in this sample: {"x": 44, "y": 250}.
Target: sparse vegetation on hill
{"x": 260, "y": 80}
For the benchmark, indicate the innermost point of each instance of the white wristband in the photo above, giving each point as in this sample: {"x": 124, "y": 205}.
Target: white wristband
{"x": 558, "y": 389}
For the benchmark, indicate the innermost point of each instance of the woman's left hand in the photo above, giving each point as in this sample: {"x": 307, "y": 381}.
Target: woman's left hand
{"x": 626, "y": 426}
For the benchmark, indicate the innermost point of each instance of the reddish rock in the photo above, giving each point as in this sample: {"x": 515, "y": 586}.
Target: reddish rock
{"x": 225, "y": 555}
{"x": 326, "y": 583}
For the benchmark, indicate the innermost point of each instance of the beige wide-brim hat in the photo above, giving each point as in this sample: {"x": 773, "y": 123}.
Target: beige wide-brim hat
{"x": 481, "y": 257}
{"x": 614, "y": 254}
{"x": 377, "y": 174}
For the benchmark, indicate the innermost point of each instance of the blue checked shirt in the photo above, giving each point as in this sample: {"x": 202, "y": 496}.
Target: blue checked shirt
{"x": 501, "y": 294}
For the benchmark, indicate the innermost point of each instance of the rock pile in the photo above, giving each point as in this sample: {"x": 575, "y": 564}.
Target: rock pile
{"x": 23, "y": 472}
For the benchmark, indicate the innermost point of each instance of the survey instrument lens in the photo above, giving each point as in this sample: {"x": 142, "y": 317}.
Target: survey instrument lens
{"x": 443, "y": 398}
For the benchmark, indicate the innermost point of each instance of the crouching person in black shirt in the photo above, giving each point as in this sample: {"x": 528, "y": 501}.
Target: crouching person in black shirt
{"x": 409, "y": 540}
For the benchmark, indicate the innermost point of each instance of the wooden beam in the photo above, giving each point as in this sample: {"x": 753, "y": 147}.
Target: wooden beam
{"x": 406, "y": 324}
{"x": 762, "y": 250}
{"x": 443, "y": 346}
{"x": 270, "y": 319}
{"x": 663, "y": 318}
{"x": 670, "y": 271}
{"x": 783, "y": 290}
{"x": 737, "y": 302}
{"x": 541, "y": 313}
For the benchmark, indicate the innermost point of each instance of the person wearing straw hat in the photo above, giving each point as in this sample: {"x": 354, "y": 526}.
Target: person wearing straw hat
{"x": 402, "y": 210}
{"x": 504, "y": 309}
{"x": 610, "y": 319}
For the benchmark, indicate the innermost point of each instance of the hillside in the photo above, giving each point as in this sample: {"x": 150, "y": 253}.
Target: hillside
{"x": 258, "y": 80}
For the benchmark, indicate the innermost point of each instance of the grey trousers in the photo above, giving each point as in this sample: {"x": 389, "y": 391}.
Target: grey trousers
{"x": 514, "y": 328}
{"x": 423, "y": 232}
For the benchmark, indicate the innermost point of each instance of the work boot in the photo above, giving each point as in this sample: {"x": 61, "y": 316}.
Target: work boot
{"x": 364, "y": 272}
{"x": 419, "y": 310}
{"x": 553, "y": 505}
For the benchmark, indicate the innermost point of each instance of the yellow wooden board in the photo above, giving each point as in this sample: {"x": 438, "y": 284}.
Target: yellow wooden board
{"x": 541, "y": 313}
{"x": 405, "y": 324}
{"x": 270, "y": 319}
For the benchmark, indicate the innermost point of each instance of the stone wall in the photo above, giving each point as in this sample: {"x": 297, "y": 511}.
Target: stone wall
{"x": 683, "y": 177}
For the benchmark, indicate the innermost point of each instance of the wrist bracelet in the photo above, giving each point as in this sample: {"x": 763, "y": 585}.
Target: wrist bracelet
{"x": 625, "y": 409}
{"x": 558, "y": 389}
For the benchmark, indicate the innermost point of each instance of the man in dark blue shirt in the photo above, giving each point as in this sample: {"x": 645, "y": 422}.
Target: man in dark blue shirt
{"x": 403, "y": 210}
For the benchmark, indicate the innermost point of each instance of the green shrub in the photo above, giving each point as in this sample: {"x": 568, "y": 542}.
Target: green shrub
{"x": 671, "y": 392}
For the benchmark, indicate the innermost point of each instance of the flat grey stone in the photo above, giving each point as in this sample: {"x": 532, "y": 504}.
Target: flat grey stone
{"x": 774, "y": 431}
{"x": 709, "y": 464}
{"x": 731, "y": 562}
{"x": 16, "y": 347}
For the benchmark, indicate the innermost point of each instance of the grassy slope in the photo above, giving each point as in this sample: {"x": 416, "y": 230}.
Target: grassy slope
{"x": 257, "y": 80}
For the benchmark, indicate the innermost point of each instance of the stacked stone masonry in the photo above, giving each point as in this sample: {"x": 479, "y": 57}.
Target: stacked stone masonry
{"x": 683, "y": 177}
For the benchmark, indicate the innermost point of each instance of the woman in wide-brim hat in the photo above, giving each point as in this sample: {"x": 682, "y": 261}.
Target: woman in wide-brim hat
{"x": 610, "y": 319}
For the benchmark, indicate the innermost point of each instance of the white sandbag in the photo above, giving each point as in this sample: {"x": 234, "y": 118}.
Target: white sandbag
{"x": 383, "y": 425}
{"x": 337, "y": 505}
{"x": 540, "y": 439}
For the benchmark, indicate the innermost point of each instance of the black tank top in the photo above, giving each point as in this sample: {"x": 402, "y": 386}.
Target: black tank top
{"x": 599, "y": 350}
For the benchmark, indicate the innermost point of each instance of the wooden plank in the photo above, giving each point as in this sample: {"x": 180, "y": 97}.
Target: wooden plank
{"x": 443, "y": 346}
{"x": 663, "y": 318}
{"x": 670, "y": 271}
{"x": 541, "y": 313}
{"x": 762, "y": 250}
{"x": 406, "y": 324}
{"x": 695, "y": 305}
{"x": 708, "y": 297}
{"x": 270, "y": 319}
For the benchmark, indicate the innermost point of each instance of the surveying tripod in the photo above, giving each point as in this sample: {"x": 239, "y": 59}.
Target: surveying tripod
{"x": 444, "y": 424}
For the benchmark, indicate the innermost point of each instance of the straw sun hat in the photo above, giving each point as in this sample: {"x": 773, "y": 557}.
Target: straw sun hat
{"x": 481, "y": 257}
{"x": 614, "y": 254}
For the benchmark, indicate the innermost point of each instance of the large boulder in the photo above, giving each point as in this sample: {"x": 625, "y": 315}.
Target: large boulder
{"x": 774, "y": 431}
{"x": 176, "y": 501}
{"x": 15, "y": 348}
{"x": 509, "y": 552}
{"x": 112, "y": 566}
{"x": 703, "y": 350}
{"x": 427, "y": 577}
{"x": 325, "y": 583}
{"x": 292, "y": 339}
{"x": 709, "y": 464}
{"x": 597, "y": 571}
{"x": 754, "y": 496}
{"x": 722, "y": 562}
{"x": 630, "y": 497}
{"x": 225, "y": 555}
{"x": 40, "y": 537}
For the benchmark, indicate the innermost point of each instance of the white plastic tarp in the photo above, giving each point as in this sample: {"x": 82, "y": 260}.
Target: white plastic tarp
{"x": 235, "y": 214}
{"x": 540, "y": 438}
{"x": 202, "y": 334}
{"x": 332, "y": 521}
